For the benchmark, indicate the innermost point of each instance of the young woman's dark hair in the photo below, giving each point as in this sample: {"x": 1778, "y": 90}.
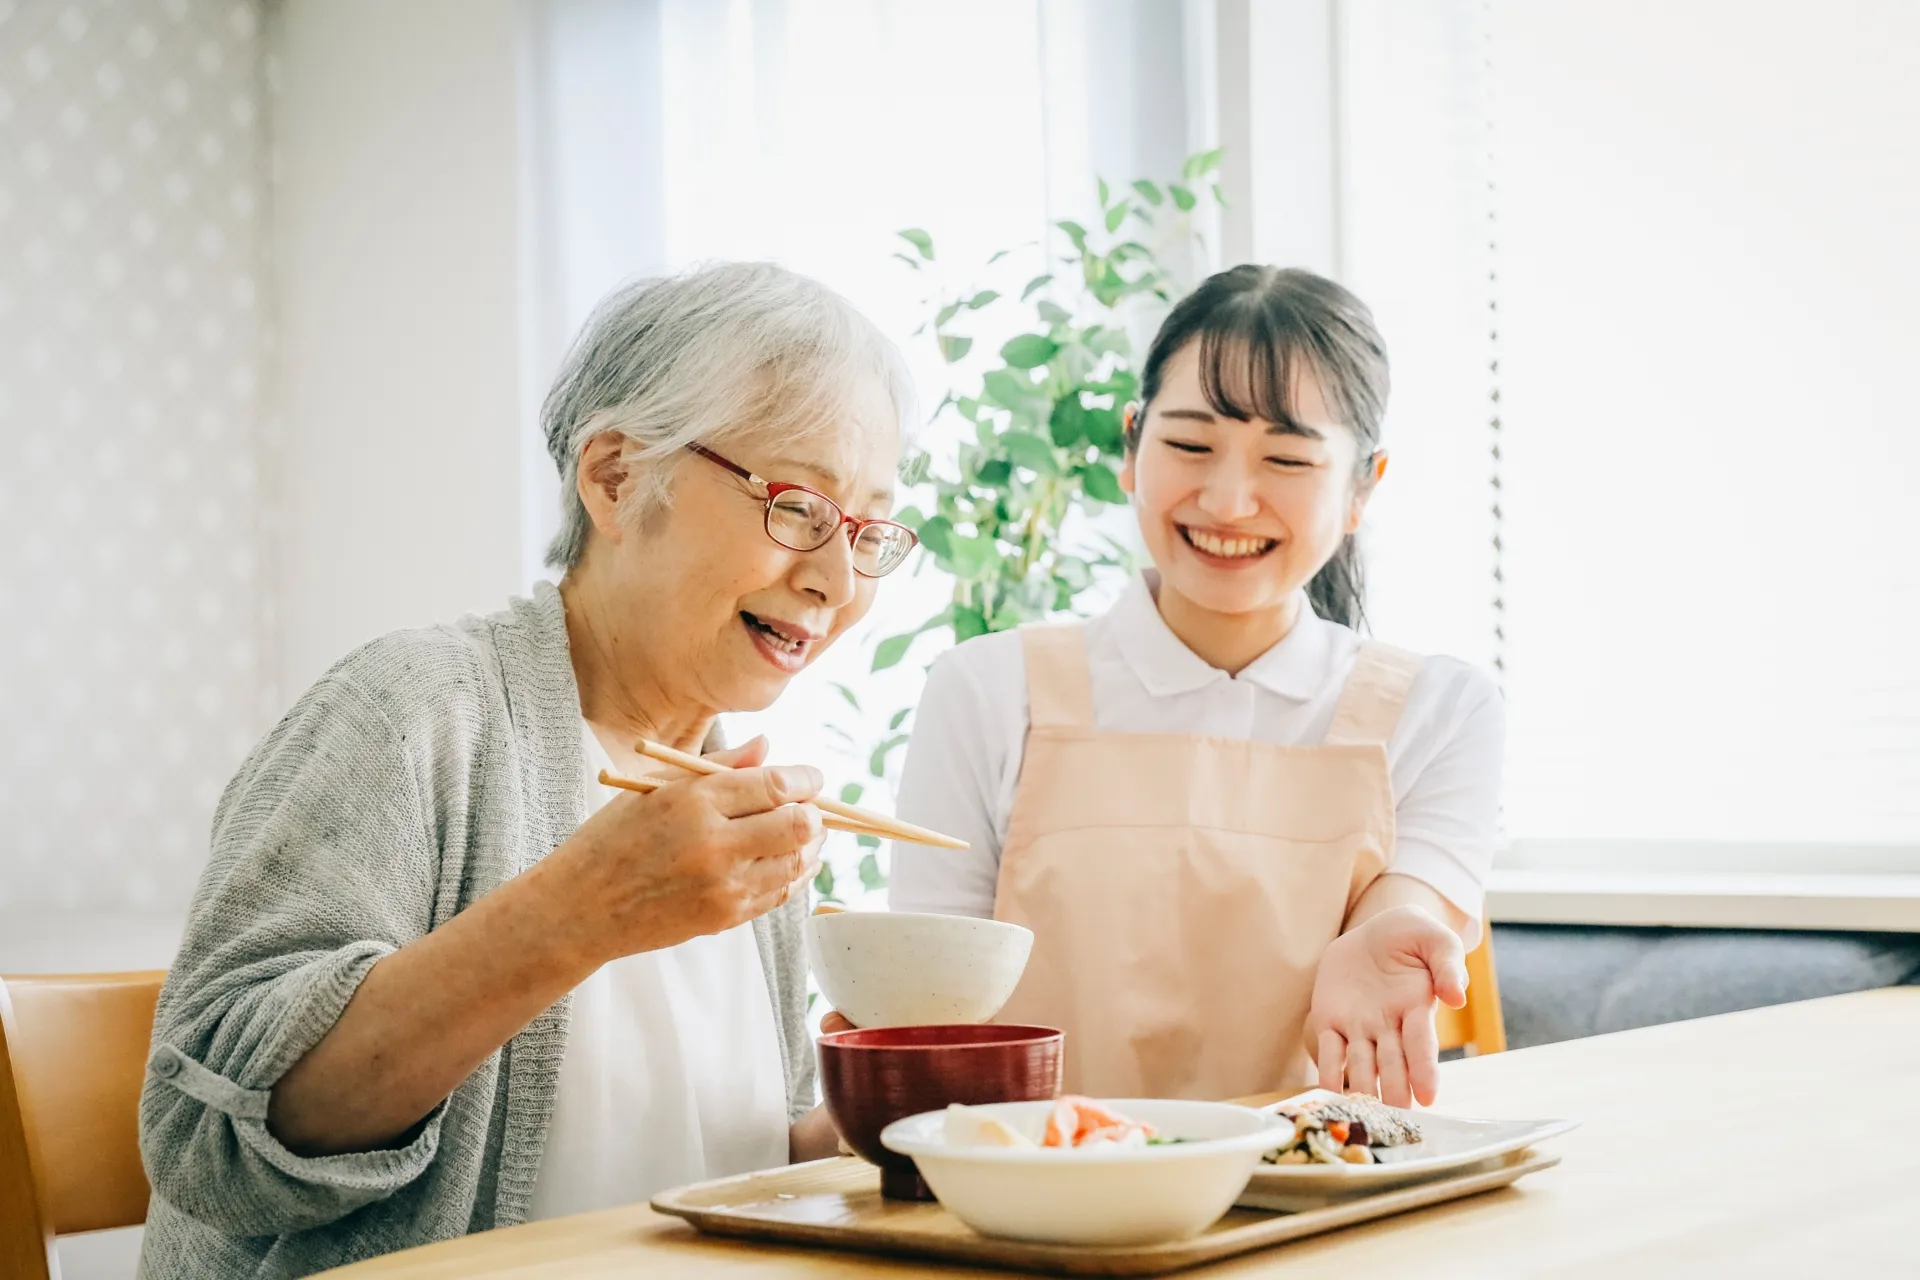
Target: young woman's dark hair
{"x": 1256, "y": 327}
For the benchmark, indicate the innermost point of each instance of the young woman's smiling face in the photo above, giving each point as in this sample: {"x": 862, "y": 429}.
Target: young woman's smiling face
{"x": 1239, "y": 515}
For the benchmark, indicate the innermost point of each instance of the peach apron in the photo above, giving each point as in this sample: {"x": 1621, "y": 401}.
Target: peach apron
{"x": 1181, "y": 888}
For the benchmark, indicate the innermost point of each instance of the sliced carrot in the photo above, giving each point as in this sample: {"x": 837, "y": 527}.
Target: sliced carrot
{"x": 1338, "y": 1130}
{"x": 1076, "y": 1119}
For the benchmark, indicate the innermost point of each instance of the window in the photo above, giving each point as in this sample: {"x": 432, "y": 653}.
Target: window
{"x": 1698, "y": 234}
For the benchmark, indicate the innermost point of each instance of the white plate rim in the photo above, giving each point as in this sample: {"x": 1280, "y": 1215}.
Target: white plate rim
{"x": 1534, "y": 1131}
{"x": 901, "y": 1138}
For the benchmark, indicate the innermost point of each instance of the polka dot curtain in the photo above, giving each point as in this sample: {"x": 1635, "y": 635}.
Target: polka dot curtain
{"x": 134, "y": 627}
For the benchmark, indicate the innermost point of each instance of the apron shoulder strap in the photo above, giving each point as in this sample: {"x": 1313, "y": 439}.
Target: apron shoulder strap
{"x": 1370, "y": 705}
{"x": 1059, "y": 686}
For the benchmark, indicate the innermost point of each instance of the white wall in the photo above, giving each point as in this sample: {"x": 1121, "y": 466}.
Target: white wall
{"x": 397, "y": 243}
{"x": 135, "y": 649}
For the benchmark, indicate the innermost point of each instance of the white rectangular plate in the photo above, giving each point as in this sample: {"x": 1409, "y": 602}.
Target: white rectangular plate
{"x": 1448, "y": 1144}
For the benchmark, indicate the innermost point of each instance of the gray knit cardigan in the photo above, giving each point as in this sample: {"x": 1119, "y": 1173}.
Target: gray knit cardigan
{"x": 422, "y": 771}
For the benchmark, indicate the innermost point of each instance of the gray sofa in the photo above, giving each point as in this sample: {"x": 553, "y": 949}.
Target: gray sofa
{"x": 1560, "y": 982}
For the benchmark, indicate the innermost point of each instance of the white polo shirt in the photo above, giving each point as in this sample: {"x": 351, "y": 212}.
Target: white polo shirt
{"x": 969, "y": 733}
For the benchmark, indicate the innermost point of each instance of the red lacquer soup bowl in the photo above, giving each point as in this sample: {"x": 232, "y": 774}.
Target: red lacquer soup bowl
{"x": 874, "y": 1076}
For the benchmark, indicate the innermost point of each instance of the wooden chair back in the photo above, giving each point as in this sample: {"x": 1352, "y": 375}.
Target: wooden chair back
{"x": 1478, "y": 1028}
{"x": 73, "y": 1053}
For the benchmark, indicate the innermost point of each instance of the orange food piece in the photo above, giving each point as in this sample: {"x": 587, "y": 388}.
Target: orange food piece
{"x": 1338, "y": 1130}
{"x": 1074, "y": 1120}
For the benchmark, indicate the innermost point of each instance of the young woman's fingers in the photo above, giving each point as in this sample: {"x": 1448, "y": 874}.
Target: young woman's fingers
{"x": 1393, "y": 1070}
{"x": 1363, "y": 1074}
{"x": 1331, "y": 1061}
{"x": 1421, "y": 1046}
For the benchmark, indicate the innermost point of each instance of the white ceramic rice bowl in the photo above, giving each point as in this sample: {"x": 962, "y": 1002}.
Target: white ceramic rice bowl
{"x": 1099, "y": 1196}
{"x": 900, "y": 969}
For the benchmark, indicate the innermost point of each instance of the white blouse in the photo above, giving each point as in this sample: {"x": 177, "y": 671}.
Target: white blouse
{"x": 969, "y": 733}
{"x": 672, "y": 1070}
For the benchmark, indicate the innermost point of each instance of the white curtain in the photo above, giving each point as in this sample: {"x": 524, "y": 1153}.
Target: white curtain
{"x": 1701, "y": 246}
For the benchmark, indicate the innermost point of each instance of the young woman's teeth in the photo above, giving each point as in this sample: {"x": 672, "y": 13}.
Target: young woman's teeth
{"x": 1229, "y": 548}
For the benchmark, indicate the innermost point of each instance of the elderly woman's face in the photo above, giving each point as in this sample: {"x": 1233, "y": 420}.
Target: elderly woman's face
{"x": 739, "y": 613}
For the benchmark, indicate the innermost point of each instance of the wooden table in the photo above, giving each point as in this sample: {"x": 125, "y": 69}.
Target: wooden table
{"x": 1707, "y": 1150}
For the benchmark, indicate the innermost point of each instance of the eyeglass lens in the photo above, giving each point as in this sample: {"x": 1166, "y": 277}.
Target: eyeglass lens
{"x": 805, "y": 521}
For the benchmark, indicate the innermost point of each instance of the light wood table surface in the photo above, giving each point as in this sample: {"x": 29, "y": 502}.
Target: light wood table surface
{"x": 1777, "y": 1142}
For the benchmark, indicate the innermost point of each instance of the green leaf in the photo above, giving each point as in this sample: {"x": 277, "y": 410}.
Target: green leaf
{"x": 1076, "y": 233}
{"x": 877, "y": 762}
{"x": 1182, "y": 197}
{"x": 1068, "y": 422}
{"x": 968, "y": 623}
{"x": 823, "y": 881}
{"x": 1106, "y": 430}
{"x": 1073, "y": 573}
{"x": 912, "y": 262}
{"x": 1220, "y": 196}
{"x": 935, "y": 535}
{"x": 1054, "y": 313}
{"x": 1100, "y": 484}
{"x": 1033, "y": 453}
{"x": 1116, "y": 216}
{"x": 889, "y": 651}
{"x": 1009, "y": 390}
{"x": 1149, "y": 191}
{"x": 899, "y": 718}
{"x": 946, "y": 313}
{"x": 995, "y": 473}
{"x": 919, "y": 240}
{"x": 848, "y": 695}
{"x": 1202, "y": 163}
{"x": 954, "y": 347}
{"x": 851, "y": 793}
{"x": 973, "y": 556}
{"x": 1105, "y": 195}
{"x": 1038, "y": 282}
{"x": 996, "y": 257}
{"x": 981, "y": 299}
{"x": 968, "y": 407}
{"x": 870, "y": 874}
{"x": 1029, "y": 350}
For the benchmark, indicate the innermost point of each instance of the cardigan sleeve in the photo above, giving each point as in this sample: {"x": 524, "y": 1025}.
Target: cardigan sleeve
{"x": 323, "y": 861}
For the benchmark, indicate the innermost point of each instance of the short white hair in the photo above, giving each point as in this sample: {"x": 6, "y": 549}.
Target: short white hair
{"x": 738, "y": 350}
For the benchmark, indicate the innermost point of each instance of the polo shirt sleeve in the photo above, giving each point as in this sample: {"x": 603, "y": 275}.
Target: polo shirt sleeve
{"x": 1447, "y": 758}
{"x": 967, "y": 734}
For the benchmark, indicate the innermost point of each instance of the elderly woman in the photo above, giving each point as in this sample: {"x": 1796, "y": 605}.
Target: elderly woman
{"x": 437, "y": 978}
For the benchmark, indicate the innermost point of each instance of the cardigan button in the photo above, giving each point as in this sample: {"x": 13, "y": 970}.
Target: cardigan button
{"x": 166, "y": 1063}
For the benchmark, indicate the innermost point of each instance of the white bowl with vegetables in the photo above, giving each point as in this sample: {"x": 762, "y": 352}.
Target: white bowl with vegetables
{"x": 1084, "y": 1172}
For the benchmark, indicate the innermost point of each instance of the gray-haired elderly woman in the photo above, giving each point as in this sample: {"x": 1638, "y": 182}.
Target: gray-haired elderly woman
{"x": 436, "y": 978}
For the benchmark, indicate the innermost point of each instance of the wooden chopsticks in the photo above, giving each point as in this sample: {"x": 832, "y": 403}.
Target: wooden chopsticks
{"x": 840, "y": 816}
{"x": 646, "y": 785}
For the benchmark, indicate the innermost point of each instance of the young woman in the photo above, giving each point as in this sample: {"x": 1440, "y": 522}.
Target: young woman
{"x": 1248, "y": 841}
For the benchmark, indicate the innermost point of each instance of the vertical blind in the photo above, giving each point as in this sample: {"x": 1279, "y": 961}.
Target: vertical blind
{"x": 1698, "y": 228}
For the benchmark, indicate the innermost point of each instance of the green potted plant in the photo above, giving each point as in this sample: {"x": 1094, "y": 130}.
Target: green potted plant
{"x": 1038, "y": 436}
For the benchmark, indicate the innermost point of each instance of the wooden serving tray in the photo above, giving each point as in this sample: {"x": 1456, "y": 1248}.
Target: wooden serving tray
{"x": 836, "y": 1204}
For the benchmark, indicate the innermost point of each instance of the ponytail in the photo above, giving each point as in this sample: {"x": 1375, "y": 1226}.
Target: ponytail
{"x": 1338, "y": 592}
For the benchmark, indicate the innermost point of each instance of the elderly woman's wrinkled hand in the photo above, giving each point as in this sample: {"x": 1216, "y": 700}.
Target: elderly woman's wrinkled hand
{"x": 696, "y": 857}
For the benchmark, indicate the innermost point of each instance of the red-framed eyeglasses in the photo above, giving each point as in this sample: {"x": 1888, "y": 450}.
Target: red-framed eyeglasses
{"x": 803, "y": 519}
